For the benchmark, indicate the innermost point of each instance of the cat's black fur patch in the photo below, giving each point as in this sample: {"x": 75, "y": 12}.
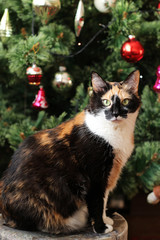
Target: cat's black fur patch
{"x": 93, "y": 152}
{"x": 133, "y": 104}
{"x": 69, "y": 179}
{"x": 96, "y": 101}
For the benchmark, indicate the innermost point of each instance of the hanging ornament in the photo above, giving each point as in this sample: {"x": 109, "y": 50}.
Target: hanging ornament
{"x": 46, "y": 9}
{"x": 158, "y": 8}
{"x": 132, "y": 50}
{"x": 40, "y": 102}
{"x": 154, "y": 197}
{"x": 90, "y": 91}
{"x": 62, "y": 79}
{"x": 79, "y": 18}
{"x": 34, "y": 74}
{"x": 5, "y": 25}
{"x": 156, "y": 86}
{"x": 104, "y": 5}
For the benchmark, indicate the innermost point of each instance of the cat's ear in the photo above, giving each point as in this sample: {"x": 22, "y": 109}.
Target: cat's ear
{"x": 132, "y": 81}
{"x": 98, "y": 84}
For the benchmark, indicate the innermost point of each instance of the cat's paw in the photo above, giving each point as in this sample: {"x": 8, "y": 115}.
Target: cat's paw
{"x": 108, "y": 229}
{"x": 105, "y": 228}
{"x": 108, "y": 220}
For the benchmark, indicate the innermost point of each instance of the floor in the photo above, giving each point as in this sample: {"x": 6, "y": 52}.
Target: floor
{"x": 143, "y": 219}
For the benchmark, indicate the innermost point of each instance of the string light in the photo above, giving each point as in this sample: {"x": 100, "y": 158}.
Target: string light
{"x": 104, "y": 27}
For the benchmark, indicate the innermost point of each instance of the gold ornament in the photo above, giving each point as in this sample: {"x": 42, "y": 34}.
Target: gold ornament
{"x": 46, "y": 9}
{"x": 79, "y": 18}
{"x": 5, "y": 25}
{"x": 62, "y": 79}
{"x": 90, "y": 91}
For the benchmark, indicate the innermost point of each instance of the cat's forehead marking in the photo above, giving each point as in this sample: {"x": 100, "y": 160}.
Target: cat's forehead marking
{"x": 118, "y": 90}
{"x": 116, "y": 84}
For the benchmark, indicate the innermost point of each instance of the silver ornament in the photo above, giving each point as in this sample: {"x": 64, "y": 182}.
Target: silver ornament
{"x": 62, "y": 79}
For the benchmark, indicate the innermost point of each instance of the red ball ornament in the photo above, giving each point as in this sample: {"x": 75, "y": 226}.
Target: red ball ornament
{"x": 132, "y": 50}
{"x": 40, "y": 102}
{"x": 158, "y": 8}
{"x": 34, "y": 75}
{"x": 156, "y": 86}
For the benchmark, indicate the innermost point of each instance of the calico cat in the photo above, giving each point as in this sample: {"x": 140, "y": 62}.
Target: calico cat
{"x": 59, "y": 178}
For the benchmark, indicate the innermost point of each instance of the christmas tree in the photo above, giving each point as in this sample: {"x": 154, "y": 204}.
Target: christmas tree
{"x": 29, "y": 38}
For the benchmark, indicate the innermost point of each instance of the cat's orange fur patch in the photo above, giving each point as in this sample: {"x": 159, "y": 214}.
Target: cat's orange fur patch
{"x": 116, "y": 91}
{"x": 114, "y": 173}
{"x": 19, "y": 185}
{"x": 44, "y": 196}
{"x": 17, "y": 196}
{"x": 66, "y": 127}
{"x": 132, "y": 140}
{"x": 43, "y": 138}
{"x": 12, "y": 198}
{"x": 52, "y": 221}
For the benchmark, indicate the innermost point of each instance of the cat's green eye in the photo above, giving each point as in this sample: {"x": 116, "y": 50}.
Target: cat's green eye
{"x": 125, "y": 101}
{"x": 106, "y": 102}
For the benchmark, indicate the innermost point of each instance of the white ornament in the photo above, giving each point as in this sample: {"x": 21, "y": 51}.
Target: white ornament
{"x": 152, "y": 199}
{"x": 79, "y": 18}
{"x": 5, "y": 25}
{"x": 34, "y": 70}
{"x": 104, "y": 5}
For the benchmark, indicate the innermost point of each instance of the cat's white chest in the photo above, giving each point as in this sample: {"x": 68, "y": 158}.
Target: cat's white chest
{"x": 118, "y": 135}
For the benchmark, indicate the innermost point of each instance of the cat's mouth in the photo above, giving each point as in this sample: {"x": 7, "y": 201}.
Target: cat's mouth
{"x": 116, "y": 119}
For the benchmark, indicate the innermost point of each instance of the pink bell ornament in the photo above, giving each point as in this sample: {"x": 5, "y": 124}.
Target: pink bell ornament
{"x": 156, "y": 86}
{"x": 40, "y": 102}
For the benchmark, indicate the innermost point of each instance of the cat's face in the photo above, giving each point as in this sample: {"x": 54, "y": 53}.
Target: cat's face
{"x": 115, "y": 99}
